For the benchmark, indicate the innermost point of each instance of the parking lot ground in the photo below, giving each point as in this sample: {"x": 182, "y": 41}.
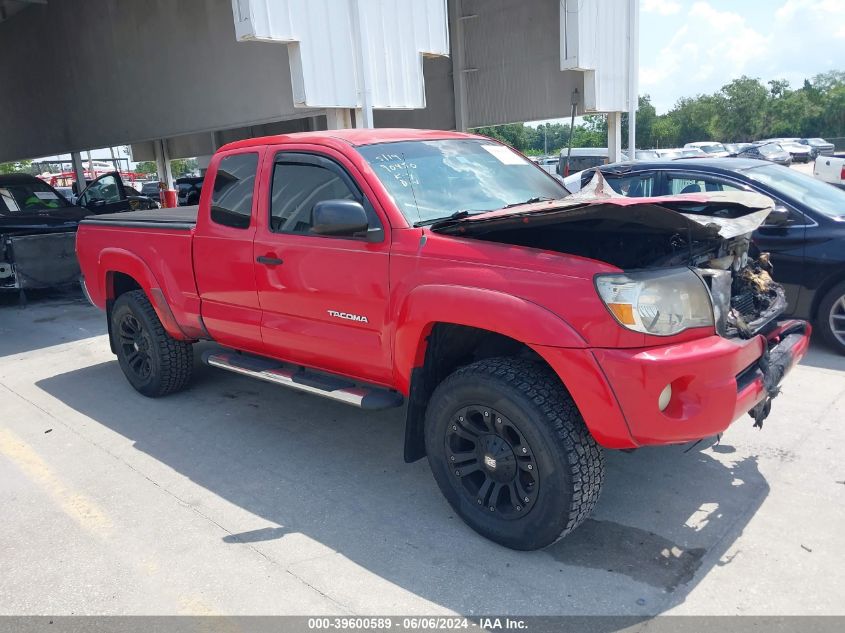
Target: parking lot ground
{"x": 239, "y": 497}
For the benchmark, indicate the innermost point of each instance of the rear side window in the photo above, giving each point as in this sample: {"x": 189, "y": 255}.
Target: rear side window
{"x": 633, "y": 186}
{"x": 231, "y": 200}
{"x": 697, "y": 184}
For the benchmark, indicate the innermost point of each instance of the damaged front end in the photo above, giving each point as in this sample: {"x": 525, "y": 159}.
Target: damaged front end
{"x": 709, "y": 234}
{"x": 686, "y": 262}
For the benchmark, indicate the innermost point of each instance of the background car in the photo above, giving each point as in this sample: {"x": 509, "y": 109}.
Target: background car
{"x": 805, "y": 235}
{"x": 188, "y": 190}
{"x": 132, "y": 192}
{"x": 549, "y": 164}
{"x": 108, "y": 194}
{"x": 690, "y": 152}
{"x": 771, "y": 152}
{"x": 800, "y": 153}
{"x": 37, "y": 234}
{"x": 820, "y": 146}
{"x": 736, "y": 148}
{"x": 712, "y": 148}
{"x": 150, "y": 189}
{"x": 68, "y": 194}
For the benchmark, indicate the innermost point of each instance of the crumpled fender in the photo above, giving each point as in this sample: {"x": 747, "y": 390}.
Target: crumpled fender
{"x": 511, "y": 316}
{"x": 119, "y": 260}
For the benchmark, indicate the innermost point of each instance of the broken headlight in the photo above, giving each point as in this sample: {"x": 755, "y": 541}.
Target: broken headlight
{"x": 657, "y": 302}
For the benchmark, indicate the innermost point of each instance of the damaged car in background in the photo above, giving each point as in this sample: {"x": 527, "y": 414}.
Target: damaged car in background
{"x": 37, "y": 235}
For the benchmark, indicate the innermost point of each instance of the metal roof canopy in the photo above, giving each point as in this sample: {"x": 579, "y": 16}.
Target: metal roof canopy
{"x": 133, "y": 72}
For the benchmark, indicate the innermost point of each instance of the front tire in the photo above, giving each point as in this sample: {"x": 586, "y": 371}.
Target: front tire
{"x": 511, "y": 454}
{"x": 154, "y": 363}
{"x": 831, "y": 318}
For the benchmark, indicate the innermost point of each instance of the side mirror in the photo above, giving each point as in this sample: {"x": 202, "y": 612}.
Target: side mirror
{"x": 779, "y": 216}
{"x": 341, "y": 218}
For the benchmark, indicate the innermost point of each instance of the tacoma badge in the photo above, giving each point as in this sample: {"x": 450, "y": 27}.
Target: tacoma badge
{"x": 349, "y": 317}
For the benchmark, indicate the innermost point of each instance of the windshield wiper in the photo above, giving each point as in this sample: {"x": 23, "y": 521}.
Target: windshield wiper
{"x": 529, "y": 201}
{"x": 457, "y": 215}
{"x": 465, "y": 213}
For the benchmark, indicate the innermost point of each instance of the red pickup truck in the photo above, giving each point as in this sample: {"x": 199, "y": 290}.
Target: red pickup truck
{"x": 524, "y": 330}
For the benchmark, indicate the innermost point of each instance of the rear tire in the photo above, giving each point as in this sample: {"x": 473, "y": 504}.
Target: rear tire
{"x": 154, "y": 363}
{"x": 831, "y": 317}
{"x": 511, "y": 454}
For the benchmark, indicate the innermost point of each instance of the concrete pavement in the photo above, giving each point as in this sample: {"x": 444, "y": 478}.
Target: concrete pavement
{"x": 238, "y": 497}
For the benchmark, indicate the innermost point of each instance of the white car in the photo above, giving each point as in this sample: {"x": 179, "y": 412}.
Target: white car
{"x": 800, "y": 153}
{"x": 713, "y": 149}
{"x": 830, "y": 169}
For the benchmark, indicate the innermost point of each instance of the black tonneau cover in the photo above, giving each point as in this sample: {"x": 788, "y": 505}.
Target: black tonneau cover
{"x": 180, "y": 218}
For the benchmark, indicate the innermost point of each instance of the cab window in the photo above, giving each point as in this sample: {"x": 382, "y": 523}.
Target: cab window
{"x": 300, "y": 181}
{"x": 234, "y": 183}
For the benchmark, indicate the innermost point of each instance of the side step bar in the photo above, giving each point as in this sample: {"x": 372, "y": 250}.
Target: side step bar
{"x": 326, "y": 385}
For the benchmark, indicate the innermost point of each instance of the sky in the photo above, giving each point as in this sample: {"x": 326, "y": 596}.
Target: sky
{"x": 690, "y": 47}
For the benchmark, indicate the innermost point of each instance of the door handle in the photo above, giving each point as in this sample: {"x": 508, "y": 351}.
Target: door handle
{"x": 269, "y": 261}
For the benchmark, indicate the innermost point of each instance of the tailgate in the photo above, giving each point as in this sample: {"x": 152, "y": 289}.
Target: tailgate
{"x": 43, "y": 261}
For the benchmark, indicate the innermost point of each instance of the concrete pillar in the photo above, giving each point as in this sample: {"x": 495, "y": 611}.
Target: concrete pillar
{"x": 456, "y": 38}
{"x": 362, "y": 63}
{"x": 79, "y": 170}
{"x": 163, "y": 163}
{"x": 338, "y": 119}
{"x": 633, "y": 72}
{"x": 202, "y": 163}
{"x": 614, "y": 137}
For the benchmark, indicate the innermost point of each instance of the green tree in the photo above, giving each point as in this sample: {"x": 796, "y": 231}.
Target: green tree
{"x": 24, "y": 166}
{"x": 646, "y": 118}
{"x": 146, "y": 167}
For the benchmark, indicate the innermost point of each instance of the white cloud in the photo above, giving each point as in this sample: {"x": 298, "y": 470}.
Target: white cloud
{"x": 660, "y": 7}
{"x": 709, "y": 46}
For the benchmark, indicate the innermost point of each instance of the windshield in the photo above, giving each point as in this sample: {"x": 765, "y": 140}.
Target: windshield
{"x": 429, "y": 180}
{"x": 712, "y": 149}
{"x": 817, "y": 195}
{"x": 26, "y": 196}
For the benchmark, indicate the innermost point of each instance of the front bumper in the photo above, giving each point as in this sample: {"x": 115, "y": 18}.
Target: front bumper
{"x": 714, "y": 381}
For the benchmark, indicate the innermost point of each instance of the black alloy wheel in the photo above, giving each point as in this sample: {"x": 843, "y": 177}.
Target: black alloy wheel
{"x": 493, "y": 461}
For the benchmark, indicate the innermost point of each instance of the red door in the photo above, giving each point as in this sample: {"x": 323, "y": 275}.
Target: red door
{"x": 223, "y": 258}
{"x": 324, "y": 300}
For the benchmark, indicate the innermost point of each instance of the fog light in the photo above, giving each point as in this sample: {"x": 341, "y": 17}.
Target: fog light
{"x": 664, "y": 398}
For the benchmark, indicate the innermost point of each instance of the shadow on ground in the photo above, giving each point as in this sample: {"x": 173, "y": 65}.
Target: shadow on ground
{"x": 335, "y": 474}
{"x": 59, "y": 316}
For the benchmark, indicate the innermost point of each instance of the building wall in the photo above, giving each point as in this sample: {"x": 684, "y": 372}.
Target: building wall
{"x": 79, "y": 74}
{"x": 512, "y": 62}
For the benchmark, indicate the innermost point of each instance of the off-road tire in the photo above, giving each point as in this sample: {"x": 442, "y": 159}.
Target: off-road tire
{"x": 569, "y": 463}
{"x": 828, "y": 304}
{"x": 170, "y": 362}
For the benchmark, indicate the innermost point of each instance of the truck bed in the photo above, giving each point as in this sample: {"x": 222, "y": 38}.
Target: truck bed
{"x": 180, "y": 218}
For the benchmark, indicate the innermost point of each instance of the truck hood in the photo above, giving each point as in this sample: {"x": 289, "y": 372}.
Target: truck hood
{"x": 701, "y": 216}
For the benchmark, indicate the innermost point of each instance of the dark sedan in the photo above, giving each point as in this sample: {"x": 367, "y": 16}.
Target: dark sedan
{"x": 189, "y": 189}
{"x": 806, "y": 237}
{"x": 771, "y": 152}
